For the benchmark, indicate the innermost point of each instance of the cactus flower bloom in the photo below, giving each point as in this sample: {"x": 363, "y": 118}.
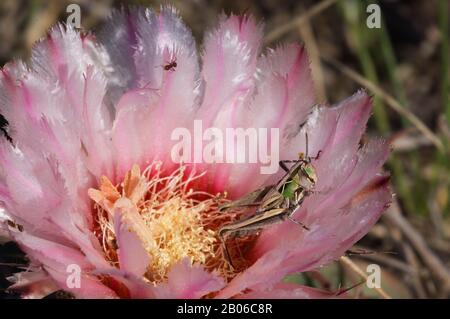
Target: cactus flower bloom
{"x": 91, "y": 194}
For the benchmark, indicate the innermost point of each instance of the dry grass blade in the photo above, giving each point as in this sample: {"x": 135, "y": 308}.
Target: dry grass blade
{"x": 389, "y": 99}
{"x": 412, "y": 260}
{"x": 347, "y": 261}
{"x": 314, "y": 10}
{"x": 436, "y": 266}
{"x": 306, "y": 33}
{"x": 42, "y": 21}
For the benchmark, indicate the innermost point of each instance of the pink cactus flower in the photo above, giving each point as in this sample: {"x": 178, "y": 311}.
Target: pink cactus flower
{"x": 88, "y": 186}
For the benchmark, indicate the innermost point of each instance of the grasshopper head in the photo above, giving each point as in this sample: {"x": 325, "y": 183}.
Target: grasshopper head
{"x": 308, "y": 177}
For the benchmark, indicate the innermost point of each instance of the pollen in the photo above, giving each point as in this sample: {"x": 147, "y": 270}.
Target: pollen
{"x": 175, "y": 221}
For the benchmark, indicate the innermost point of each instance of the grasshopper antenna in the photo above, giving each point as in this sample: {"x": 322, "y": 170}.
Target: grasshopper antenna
{"x": 306, "y": 138}
{"x": 307, "y": 150}
{"x": 342, "y": 291}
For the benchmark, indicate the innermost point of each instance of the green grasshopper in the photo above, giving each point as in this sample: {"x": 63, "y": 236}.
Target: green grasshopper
{"x": 275, "y": 203}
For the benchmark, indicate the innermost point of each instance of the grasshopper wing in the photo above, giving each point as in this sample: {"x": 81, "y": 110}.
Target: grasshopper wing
{"x": 252, "y": 199}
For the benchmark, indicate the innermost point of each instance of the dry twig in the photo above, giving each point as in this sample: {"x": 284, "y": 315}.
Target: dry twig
{"x": 307, "y": 34}
{"x": 438, "y": 269}
{"x": 314, "y": 10}
{"x": 412, "y": 260}
{"x": 363, "y": 275}
{"x": 389, "y": 99}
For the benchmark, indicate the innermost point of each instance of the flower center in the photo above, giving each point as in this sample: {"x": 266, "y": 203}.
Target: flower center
{"x": 173, "y": 220}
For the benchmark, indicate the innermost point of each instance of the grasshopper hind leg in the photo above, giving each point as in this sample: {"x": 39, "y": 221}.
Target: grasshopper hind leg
{"x": 225, "y": 251}
{"x": 291, "y": 218}
{"x": 298, "y": 223}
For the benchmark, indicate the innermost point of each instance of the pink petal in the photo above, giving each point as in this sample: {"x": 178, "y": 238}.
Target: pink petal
{"x": 79, "y": 234}
{"x": 338, "y": 158}
{"x": 285, "y": 91}
{"x": 320, "y": 127}
{"x": 24, "y": 182}
{"x": 33, "y": 284}
{"x": 132, "y": 135}
{"x": 39, "y": 188}
{"x": 229, "y": 64}
{"x": 142, "y": 43}
{"x": 370, "y": 160}
{"x": 56, "y": 258}
{"x": 119, "y": 39}
{"x": 284, "y": 96}
{"x": 90, "y": 287}
{"x": 62, "y": 53}
{"x": 51, "y": 253}
{"x": 189, "y": 282}
{"x": 171, "y": 95}
{"x": 133, "y": 258}
{"x": 86, "y": 97}
{"x": 135, "y": 287}
{"x": 77, "y": 90}
{"x": 164, "y": 38}
{"x": 44, "y": 124}
{"x": 287, "y": 291}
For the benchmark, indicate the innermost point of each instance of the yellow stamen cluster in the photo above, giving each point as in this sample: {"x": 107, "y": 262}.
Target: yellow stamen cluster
{"x": 174, "y": 221}
{"x": 173, "y": 217}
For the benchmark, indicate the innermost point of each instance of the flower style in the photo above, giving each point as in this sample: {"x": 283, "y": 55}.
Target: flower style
{"x": 88, "y": 183}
